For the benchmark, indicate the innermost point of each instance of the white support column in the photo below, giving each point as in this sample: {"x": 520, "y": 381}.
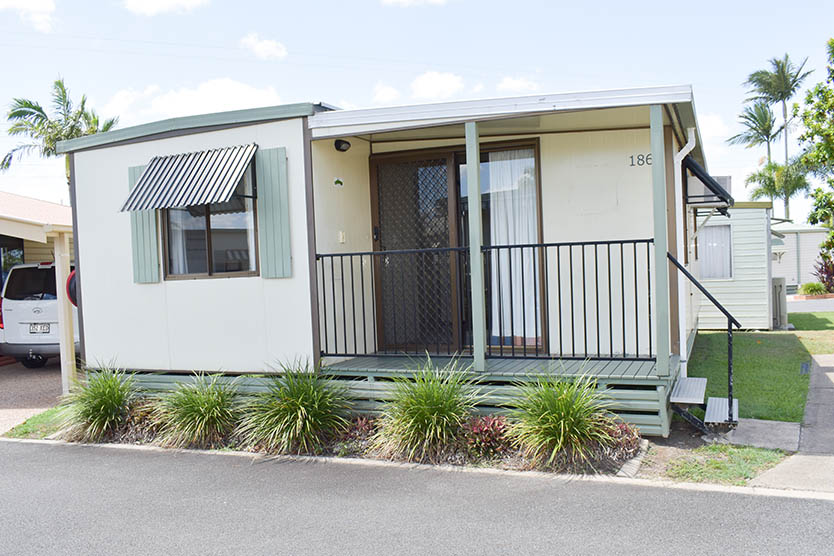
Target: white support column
{"x": 661, "y": 241}
{"x": 473, "y": 187}
{"x": 65, "y": 324}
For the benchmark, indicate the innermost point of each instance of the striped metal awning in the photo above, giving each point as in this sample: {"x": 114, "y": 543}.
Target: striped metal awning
{"x": 189, "y": 179}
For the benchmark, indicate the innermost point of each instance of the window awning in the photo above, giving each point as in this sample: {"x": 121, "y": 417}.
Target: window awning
{"x": 712, "y": 195}
{"x": 189, "y": 179}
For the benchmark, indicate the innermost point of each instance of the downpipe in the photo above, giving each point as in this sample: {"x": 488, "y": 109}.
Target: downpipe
{"x": 679, "y": 220}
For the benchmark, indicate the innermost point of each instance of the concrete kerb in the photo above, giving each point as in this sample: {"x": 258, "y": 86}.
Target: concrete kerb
{"x": 561, "y": 478}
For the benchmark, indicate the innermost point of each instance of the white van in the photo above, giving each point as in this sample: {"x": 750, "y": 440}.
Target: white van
{"x": 29, "y": 315}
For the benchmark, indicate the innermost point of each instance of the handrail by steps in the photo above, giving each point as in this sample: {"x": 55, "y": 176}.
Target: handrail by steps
{"x": 731, "y": 320}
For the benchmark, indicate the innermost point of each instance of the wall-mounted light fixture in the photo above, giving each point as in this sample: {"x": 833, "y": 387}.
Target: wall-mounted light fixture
{"x": 341, "y": 145}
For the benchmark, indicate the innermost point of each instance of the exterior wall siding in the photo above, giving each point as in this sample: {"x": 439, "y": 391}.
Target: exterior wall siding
{"x": 34, "y": 252}
{"x": 240, "y": 324}
{"x": 808, "y": 250}
{"x": 747, "y": 294}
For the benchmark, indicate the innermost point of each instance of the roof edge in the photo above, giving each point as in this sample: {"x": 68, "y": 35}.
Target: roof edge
{"x": 234, "y": 117}
{"x": 752, "y": 204}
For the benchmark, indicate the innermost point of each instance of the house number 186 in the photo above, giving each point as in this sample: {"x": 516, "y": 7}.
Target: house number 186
{"x": 641, "y": 159}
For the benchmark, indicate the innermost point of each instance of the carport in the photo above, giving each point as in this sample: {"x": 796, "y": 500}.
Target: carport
{"x": 33, "y": 231}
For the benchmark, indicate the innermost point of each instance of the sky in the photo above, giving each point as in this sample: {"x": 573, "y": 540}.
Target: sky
{"x": 145, "y": 60}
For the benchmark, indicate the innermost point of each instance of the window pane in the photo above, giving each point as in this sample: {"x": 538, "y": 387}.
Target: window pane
{"x": 187, "y": 250}
{"x": 233, "y": 231}
{"x": 716, "y": 252}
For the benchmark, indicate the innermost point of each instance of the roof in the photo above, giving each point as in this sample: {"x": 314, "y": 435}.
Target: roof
{"x": 36, "y": 211}
{"x": 800, "y": 227}
{"x": 192, "y": 124}
{"x": 752, "y": 205}
{"x": 32, "y": 219}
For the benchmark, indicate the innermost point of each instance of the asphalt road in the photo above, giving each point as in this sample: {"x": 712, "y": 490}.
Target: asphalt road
{"x": 59, "y": 499}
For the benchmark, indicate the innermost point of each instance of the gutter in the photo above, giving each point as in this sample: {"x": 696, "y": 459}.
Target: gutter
{"x": 679, "y": 220}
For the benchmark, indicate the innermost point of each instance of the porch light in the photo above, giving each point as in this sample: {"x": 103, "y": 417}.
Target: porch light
{"x": 341, "y": 145}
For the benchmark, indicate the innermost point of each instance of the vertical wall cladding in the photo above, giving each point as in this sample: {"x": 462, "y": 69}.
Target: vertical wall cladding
{"x": 144, "y": 238}
{"x": 273, "y": 213}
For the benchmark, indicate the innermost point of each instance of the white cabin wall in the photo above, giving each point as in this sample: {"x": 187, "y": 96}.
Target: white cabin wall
{"x": 746, "y": 295}
{"x": 230, "y": 324}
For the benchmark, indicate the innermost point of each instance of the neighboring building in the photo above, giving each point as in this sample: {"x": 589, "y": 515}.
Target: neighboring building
{"x": 796, "y": 255}
{"x": 734, "y": 263}
{"x": 28, "y": 228}
{"x": 361, "y": 239}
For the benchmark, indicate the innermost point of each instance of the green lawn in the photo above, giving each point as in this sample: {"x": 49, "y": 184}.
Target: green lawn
{"x": 38, "y": 426}
{"x": 723, "y": 463}
{"x": 812, "y": 321}
{"x": 766, "y": 370}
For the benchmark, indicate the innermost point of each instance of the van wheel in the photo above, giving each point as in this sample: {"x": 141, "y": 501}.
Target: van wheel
{"x": 34, "y": 362}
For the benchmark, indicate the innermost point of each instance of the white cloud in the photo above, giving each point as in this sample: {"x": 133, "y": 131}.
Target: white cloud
{"x": 265, "y": 49}
{"x": 477, "y": 88}
{"x": 37, "y": 13}
{"x": 410, "y": 3}
{"x": 518, "y": 85}
{"x": 713, "y": 127}
{"x": 156, "y": 7}
{"x": 436, "y": 85}
{"x": 385, "y": 94}
{"x": 215, "y": 95}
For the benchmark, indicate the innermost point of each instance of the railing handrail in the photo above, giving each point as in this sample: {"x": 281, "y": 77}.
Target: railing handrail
{"x": 704, "y": 291}
{"x": 394, "y": 252}
{"x": 567, "y": 244}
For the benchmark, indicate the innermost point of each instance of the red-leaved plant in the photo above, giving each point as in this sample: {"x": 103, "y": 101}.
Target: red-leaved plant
{"x": 824, "y": 271}
{"x": 486, "y": 436}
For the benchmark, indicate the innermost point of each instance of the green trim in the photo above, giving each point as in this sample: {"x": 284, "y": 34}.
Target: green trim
{"x": 144, "y": 238}
{"x": 473, "y": 180}
{"x": 273, "y": 213}
{"x": 661, "y": 240}
{"x": 232, "y": 118}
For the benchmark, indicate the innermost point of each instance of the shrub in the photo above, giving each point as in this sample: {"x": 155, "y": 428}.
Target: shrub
{"x": 486, "y": 437}
{"x": 812, "y": 288}
{"x": 556, "y": 423}
{"x": 299, "y": 412}
{"x": 824, "y": 271}
{"x": 97, "y": 406}
{"x": 424, "y": 419}
{"x": 199, "y": 414}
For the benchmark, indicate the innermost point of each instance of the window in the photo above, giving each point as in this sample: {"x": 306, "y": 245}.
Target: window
{"x": 716, "y": 258}
{"x": 11, "y": 253}
{"x": 217, "y": 239}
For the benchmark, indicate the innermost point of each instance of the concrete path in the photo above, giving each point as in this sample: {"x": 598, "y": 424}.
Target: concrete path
{"x": 810, "y": 305}
{"x": 26, "y": 392}
{"x": 813, "y": 467}
{"x": 69, "y": 499}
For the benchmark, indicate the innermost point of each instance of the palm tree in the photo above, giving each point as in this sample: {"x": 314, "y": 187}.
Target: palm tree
{"x": 760, "y": 124}
{"x": 778, "y": 85}
{"x": 43, "y": 131}
{"x": 777, "y": 181}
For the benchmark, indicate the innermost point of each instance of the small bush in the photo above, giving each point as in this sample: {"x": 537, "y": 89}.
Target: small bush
{"x": 98, "y": 406}
{"x": 824, "y": 271}
{"x": 298, "y": 414}
{"x": 556, "y": 423}
{"x": 486, "y": 437}
{"x": 812, "y": 288}
{"x": 424, "y": 419}
{"x": 199, "y": 414}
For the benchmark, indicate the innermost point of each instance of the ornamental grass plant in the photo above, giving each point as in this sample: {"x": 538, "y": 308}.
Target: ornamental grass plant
{"x": 299, "y": 413}
{"x": 198, "y": 414}
{"x": 425, "y": 417}
{"x": 98, "y": 406}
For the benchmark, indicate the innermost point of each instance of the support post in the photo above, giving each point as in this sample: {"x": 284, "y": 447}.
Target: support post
{"x": 65, "y": 325}
{"x": 473, "y": 186}
{"x": 661, "y": 239}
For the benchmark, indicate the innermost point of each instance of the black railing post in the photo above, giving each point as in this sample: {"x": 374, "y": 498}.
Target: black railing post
{"x": 730, "y": 369}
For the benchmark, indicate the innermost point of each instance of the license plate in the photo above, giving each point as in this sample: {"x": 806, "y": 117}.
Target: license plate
{"x": 39, "y": 328}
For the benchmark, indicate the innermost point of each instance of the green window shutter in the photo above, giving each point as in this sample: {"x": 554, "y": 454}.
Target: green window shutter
{"x": 273, "y": 213}
{"x": 143, "y": 238}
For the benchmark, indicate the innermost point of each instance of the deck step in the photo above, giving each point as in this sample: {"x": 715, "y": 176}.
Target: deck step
{"x": 689, "y": 391}
{"x": 717, "y": 410}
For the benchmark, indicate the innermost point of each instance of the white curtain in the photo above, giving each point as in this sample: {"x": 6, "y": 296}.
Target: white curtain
{"x": 514, "y": 220}
{"x": 715, "y": 252}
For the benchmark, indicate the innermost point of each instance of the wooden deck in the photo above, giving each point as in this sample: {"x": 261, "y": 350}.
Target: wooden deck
{"x": 505, "y": 369}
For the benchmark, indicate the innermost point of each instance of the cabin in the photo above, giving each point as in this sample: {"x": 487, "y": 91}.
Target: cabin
{"x": 367, "y": 240}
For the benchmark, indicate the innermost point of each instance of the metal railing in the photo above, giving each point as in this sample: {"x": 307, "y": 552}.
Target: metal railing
{"x": 571, "y": 300}
{"x": 731, "y": 321}
{"x": 394, "y": 302}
